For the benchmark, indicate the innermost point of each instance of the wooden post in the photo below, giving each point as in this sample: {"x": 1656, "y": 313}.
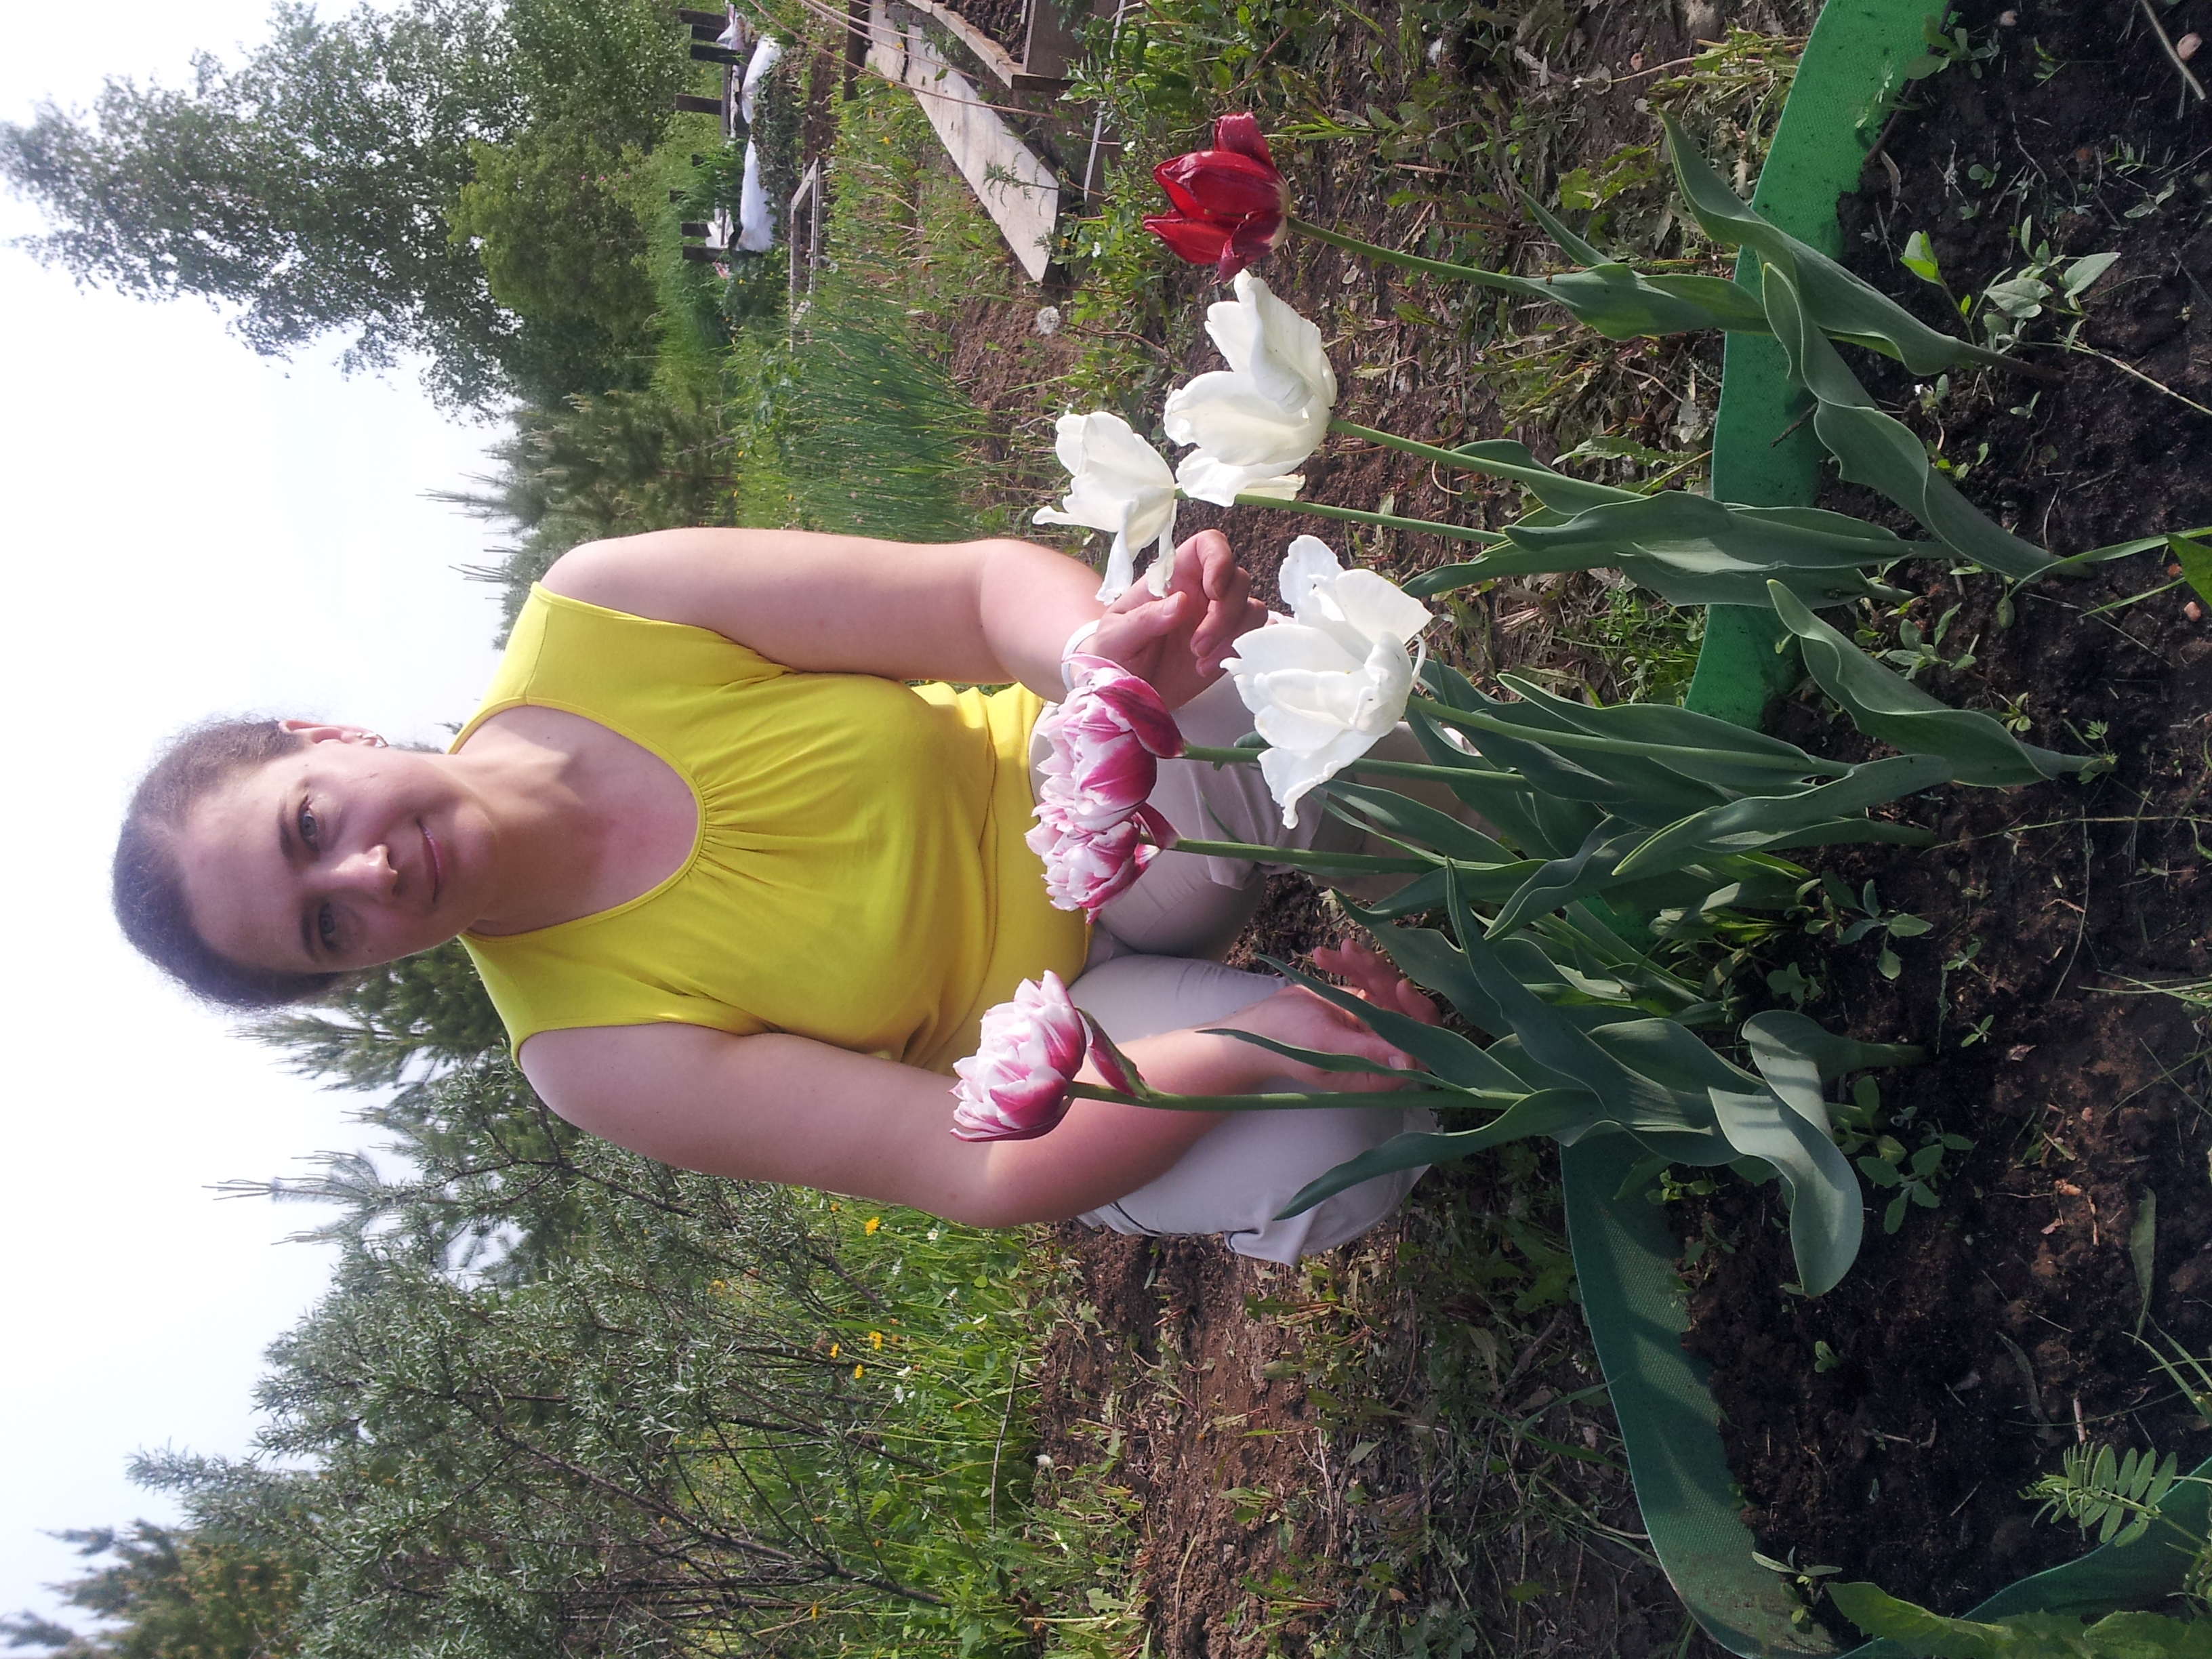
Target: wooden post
{"x": 704, "y": 19}
{"x": 691, "y": 104}
{"x": 692, "y": 227}
{"x": 713, "y": 55}
{"x": 856, "y": 44}
{"x": 702, "y": 256}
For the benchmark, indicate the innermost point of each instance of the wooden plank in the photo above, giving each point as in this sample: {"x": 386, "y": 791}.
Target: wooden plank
{"x": 989, "y": 52}
{"x": 1014, "y": 186}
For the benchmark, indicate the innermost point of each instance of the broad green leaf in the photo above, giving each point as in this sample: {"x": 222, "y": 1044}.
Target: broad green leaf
{"x": 1872, "y": 449}
{"x": 1562, "y": 881}
{"x": 1564, "y": 1112}
{"x": 1831, "y": 1056}
{"x": 2195, "y": 559}
{"x": 1883, "y": 705}
{"x": 1922, "y": 1632}
{"x": 1757, "y": 821}
{"x": 1691, "y": 551}
{"x": 1320, "y": 1060}
{"x": 2084, "y": 271}
{"x": 1840, "y": 304}
{"x": 2150, "y": 1636}
{"x": 1826, "y": 1217}
{"x": 1615, "y": 774}
{"x": 1919, "y": 258}
{"x": 1710, "y": 751}
{"x": 1400, "y": 816}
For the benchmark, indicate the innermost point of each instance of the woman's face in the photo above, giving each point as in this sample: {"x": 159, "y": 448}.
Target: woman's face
{"x": 344, "y": 854}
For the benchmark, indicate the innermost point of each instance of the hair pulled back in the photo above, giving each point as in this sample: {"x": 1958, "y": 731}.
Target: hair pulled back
{"x": 148, "y": 881}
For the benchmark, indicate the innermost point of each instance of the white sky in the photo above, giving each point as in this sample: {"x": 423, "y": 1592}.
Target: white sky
{"x": 188, "y": 529}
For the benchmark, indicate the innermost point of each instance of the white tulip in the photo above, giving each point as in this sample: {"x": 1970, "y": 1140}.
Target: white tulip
{"x": 1119, "y": 483}
{"x": 1327, "y": 686}
{"x": 1261, "y": 416}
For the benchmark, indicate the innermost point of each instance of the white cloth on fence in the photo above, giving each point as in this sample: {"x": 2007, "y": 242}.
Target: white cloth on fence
{"x": 756, "y": 219}
{"x": 765, "y": 57}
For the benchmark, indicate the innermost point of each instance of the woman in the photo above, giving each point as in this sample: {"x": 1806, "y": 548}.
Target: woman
{"x": 742, "y": 896}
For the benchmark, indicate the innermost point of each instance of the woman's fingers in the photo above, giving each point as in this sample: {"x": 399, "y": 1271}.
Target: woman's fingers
{"x": 1372, "y": 976}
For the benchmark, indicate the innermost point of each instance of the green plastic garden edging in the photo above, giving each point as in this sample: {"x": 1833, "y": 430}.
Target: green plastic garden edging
{"x": 1624, "y": 1252}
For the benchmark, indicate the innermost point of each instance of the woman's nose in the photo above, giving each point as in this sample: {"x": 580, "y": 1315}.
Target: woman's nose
{"x": 367, "y": 873}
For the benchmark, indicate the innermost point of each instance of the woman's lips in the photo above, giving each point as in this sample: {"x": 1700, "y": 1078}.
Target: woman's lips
{"x": 437, "y": 863}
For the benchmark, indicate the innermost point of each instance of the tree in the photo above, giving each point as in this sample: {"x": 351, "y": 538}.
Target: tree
{"x": 172, "y": 1595}
{"x": 307, "y": 186}
{"x": 551, "y": 216}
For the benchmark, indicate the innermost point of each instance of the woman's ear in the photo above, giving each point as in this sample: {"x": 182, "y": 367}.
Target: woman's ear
{"x": 333, "y": 732}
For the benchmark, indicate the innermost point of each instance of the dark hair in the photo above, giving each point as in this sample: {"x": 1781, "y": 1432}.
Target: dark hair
{"x": 149, "y": 889}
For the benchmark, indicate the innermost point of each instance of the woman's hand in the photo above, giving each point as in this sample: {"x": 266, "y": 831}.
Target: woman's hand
{"x": 1372, "y": 976}
{"x": 1297, "y": 1018}
{"x": 1178, "y": 642}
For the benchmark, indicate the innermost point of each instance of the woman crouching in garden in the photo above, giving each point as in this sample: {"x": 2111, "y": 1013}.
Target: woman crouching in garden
{"x": 742, "y": 894}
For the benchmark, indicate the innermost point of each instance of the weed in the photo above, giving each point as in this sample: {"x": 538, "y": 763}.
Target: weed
{"x": 1848, "y": 917}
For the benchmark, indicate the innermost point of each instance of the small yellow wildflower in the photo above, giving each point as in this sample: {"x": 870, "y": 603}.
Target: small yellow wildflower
{"x": 874, "y": 1222}
{"x": 833, "y": 1350}
{"x": 875, "y": 1339}
{"x": 859, "y": 1372}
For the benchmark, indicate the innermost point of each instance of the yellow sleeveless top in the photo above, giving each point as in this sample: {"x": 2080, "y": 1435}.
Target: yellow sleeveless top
{"x": 860, "y": 876}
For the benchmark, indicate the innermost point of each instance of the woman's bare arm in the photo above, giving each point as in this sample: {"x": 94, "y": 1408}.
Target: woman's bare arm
{"x": 787, "y": 1108}
{"x": 978, "y": 612}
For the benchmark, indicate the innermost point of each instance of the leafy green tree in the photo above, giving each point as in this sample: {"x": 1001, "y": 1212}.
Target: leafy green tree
{"x": 307, "y": 186}
{"x": 385, "y": 1027}
{"x": 171, "y": 1595}
{"x": 551, "y": 216}
{"x": 602, "y": 467}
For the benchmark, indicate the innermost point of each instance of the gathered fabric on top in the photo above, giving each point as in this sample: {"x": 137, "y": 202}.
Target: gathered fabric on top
{"x": 860, "y": 876}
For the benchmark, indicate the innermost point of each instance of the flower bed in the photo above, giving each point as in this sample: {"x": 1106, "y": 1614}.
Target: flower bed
{"x": 1888, "y": 1428}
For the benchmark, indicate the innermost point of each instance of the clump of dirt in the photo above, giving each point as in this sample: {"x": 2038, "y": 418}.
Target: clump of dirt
{"x": 1889, "y": 1427}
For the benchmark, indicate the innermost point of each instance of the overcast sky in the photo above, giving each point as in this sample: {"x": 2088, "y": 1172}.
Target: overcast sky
{"x": 188, "y": 529}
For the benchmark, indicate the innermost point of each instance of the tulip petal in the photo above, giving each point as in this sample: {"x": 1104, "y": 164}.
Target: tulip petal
{"x": 1203, "y": 478}
{"x": 1241, "y": 133}
{"x": 1191, "y": 240}
{"x": 1226, "y": 415}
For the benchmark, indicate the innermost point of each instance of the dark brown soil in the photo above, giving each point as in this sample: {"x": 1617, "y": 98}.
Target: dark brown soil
{"x": 1990, "y": 1332}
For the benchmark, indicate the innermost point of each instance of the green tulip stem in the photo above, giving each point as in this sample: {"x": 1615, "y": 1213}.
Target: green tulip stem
{"x": 1394, "y": 1097}
{"x": 1386, "y": 769}
{"x": 1666, "y": 754}
{"x": 1382, "y": 520}
{"x": 1451, "y": 458}
{"x": 1362, "y": 864}
{"x": 1497, "y": 279}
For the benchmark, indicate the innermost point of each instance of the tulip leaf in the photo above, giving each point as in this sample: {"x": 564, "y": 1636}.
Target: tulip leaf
{"x": 1562, "y": 881}
{"x": 1886, "y": 706}
{"x": 1733, "y": 757}
{"x": 1400, "y": 815}
{"x": 1565, "y": 1113}
{"x": 1839, "y": 303}
{"x": 1605, "y": 771}
{"x": 1881, "y": 452}
{"x": 1757, "y": 821}
{"x": 1827, "y": 1217}
{"x": 1831, "y": 1055}
{"x": 1504, "y": 458}
{"x": 1693, "y": 550}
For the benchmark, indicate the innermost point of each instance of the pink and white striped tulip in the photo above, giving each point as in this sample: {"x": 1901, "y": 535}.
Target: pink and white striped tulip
{"x": 1108, "y": 738}
{"x": 1014, "y": 1086}
{"x": 1086, "y": 869}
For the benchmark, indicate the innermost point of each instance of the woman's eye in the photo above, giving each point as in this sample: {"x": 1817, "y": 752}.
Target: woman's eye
{"x": 307, "y": 826}
{"x": 326, "y": 926}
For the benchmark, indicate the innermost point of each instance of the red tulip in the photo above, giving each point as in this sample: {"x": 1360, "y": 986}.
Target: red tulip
{"x": 1231, "y": 203}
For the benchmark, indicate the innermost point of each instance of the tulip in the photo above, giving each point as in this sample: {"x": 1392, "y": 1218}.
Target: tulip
{"x": 1086, "y": 869}
{"x": 1119, "y": 483}
{"x": 1262, "y": 416}
{"x": 1108, "y": 738}
{"x": 1231, "y": 203}
{"x": 1326, "y": 687}
{"x": 1014, "y": 1086}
